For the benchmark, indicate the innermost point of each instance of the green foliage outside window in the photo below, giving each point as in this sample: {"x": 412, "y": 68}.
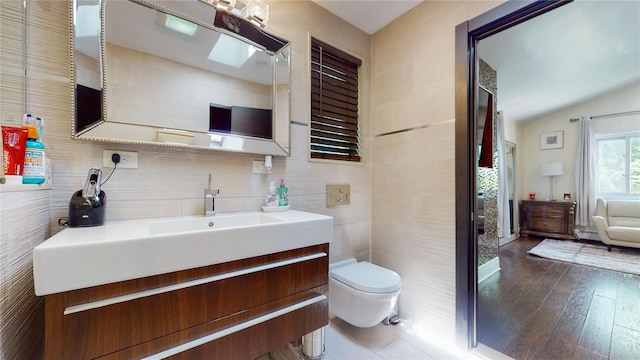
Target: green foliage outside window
{"x": 635, "y": 165}
{"x": 618, "y": 165}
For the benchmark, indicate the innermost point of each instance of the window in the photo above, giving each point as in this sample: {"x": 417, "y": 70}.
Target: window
{"x": 618, "y": 165}
{"x": 335, "y": 132}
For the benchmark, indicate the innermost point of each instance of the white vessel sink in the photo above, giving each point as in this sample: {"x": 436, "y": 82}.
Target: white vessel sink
{"x": 76, "y": 258}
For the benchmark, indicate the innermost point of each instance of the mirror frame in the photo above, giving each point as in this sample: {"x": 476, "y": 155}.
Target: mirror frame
{"x": 139, "y": 134}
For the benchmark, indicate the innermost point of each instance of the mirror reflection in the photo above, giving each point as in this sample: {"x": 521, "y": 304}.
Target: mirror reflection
{"x": 169, "y": 78}
{"x": 487, "y": 168}
{"x": 485, "y": 128}
{"x": 87, "y": 54}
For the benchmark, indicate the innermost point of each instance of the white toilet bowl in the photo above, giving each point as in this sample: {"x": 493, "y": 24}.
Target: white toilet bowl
{"x": 361, "y": 293}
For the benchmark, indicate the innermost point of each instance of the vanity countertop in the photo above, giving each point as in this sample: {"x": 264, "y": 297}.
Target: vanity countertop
{"x": 77, "y": 258}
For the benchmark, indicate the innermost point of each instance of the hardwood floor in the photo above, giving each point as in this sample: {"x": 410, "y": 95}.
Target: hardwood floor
{"x": 535, "y": 308}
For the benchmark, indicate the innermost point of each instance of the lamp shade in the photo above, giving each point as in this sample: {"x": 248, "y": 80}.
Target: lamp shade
{"x": 222, "y": 4}
{"x": 551, "y": 169}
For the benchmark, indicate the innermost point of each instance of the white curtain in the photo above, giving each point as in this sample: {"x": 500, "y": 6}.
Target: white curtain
{"x": 586, "y": 173}
{"x": 504, "y": 221}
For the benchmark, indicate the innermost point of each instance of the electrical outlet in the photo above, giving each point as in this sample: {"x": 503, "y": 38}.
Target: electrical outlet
{"x": 128, "y": 159}
{"x": 258, "y": 167}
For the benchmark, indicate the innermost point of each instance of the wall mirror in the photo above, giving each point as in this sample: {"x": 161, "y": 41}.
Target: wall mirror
{"x": 485, "y": 128}
{"x": 178, "y": 73}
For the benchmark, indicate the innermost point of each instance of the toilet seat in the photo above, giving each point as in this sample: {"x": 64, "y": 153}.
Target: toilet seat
{"x": 367, "y": 277}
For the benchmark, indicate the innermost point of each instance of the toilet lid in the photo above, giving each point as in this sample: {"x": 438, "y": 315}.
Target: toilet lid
{"x": 367, "y": 277}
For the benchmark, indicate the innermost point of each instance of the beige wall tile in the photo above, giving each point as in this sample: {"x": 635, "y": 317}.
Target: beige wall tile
{"x": 413, "y": 193}
{"x": 23, "y": 225}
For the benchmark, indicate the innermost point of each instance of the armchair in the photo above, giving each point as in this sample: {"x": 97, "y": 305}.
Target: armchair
{"x": 618, "y": 222}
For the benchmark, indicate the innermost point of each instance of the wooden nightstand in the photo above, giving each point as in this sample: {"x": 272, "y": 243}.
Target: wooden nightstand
{"x": 554, "y": 219}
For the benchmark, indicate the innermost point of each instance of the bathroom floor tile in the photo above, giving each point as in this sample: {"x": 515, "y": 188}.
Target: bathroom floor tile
{"x": 375, "y": 338}
{"x": 406, "y": 332}
{"x": 341, "y": 346}
{"x": 346, "y": 342}
{"x": 285, "y": 353}
{"x": 401, "y": 350}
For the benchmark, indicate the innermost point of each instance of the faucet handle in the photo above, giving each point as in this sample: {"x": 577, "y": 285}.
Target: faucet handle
{"x": 209, "y": 201}
{"x": 208, "y": 190}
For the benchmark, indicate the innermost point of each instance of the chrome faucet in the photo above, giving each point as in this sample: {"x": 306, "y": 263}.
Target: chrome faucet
{"x": 209, "y": 200}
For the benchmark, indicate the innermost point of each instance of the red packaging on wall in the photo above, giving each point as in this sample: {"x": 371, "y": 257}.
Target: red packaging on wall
{"x": 14, "y": 144}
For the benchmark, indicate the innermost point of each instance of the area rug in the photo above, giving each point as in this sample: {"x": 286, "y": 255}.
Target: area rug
{"x": 625, "y": 260}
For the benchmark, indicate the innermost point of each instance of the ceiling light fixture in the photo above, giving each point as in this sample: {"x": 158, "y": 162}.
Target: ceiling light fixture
{"x": 176, "y": 24}
{"x": 256, "y": 11}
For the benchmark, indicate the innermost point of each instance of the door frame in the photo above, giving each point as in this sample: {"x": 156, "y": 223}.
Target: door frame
{"x": 467, "y": 36}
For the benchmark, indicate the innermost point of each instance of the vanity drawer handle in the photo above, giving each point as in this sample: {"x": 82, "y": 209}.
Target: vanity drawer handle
{"x": 164, "y": 289}
{"x": 217, "y": 335}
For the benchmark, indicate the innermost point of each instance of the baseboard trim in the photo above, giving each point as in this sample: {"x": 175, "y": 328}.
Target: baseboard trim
{"x": 505, "y": 240}
{"x": 588, "y": 234}
{"x": 482, "y": 351}
{"x": 489, "y": 268}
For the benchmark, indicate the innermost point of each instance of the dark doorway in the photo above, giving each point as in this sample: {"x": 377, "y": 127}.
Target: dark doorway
{"x": 468, "y": 34}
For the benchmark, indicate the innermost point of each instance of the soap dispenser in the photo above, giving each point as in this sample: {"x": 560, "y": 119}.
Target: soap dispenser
{"x": 283, "y": 194}
{"x": 272, "y": 198}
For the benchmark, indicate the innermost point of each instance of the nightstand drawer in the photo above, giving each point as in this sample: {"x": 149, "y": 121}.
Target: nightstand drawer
{"x": 552, "y": 212}
{"x": 546, "y": 225}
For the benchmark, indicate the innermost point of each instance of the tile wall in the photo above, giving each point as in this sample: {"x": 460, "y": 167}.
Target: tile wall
{"x": 413, "y": 198}
{"x": 23, "y": 225}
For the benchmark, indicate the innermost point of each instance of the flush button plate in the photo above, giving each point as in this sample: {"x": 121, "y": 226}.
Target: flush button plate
{"x": 338, "y": 194}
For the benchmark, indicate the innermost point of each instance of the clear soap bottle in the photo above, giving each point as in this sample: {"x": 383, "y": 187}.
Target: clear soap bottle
{"x": 272, "y": 198}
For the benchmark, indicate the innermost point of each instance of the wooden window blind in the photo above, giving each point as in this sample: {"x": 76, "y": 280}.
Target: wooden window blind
{"x": 335, "y": 132}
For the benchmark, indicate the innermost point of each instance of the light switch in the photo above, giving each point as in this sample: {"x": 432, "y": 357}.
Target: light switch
{"x": 338, "y": 195}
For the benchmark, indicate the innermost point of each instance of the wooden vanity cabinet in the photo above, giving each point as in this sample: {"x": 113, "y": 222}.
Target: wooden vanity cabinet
{"x": 236, "y": 310}
{"x": 554, "y": 219}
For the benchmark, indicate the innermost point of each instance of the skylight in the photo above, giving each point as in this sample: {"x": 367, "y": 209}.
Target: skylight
{"x": 230, "y": 51}
{"x": 88, "y": 24}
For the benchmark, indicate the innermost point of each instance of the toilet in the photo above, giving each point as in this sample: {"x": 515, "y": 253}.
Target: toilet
{"x": 361, "y": 293}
